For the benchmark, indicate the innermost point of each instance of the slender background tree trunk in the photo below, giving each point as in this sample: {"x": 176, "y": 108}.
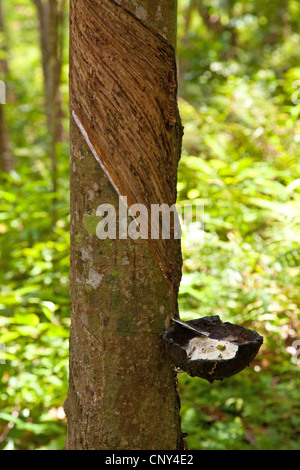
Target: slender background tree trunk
{"x": 123, "y": 387}
{"x": 6, "y": 156}
{"x": 51, "y": 14}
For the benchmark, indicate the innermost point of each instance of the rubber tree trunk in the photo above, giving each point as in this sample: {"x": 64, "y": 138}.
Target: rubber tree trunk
{"x": 125, "y": 140}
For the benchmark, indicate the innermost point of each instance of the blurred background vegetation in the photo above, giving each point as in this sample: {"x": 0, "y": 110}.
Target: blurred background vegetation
{"x": 238, "y": 61}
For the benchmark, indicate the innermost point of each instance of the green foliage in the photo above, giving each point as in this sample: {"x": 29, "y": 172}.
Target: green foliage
{"x": 238, "y": 61}
{"x": 34, "y": 276}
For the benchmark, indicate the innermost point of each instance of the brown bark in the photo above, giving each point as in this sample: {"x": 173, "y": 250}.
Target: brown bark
{"x": 6, "y": 156}
{"x": 123, "y": 387}
{"x": 51, "y": 22}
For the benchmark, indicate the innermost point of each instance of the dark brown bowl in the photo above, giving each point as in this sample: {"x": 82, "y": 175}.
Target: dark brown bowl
{"x": 176, "y": 339}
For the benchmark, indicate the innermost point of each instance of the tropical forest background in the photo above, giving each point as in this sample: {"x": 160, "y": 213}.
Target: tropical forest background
{"x": 238, "y": 68}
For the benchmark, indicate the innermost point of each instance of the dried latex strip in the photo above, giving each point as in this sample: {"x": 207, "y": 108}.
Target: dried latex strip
{"x": 210, "y": 349}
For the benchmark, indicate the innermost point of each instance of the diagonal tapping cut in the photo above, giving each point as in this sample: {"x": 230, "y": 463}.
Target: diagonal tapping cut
{"x": 131, "y": 129}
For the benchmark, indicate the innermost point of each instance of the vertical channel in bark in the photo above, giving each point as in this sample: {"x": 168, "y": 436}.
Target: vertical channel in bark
{"x": 122, "y": 387}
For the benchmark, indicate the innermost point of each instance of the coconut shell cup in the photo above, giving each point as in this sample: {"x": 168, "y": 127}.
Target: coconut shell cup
{"x": 177, "y": 339}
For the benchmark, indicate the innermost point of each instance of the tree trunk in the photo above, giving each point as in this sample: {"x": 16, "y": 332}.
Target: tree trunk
{"x": 6, "y": 156}
{"x": 51, "y": 22}
{"x": 125, "y": 140}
